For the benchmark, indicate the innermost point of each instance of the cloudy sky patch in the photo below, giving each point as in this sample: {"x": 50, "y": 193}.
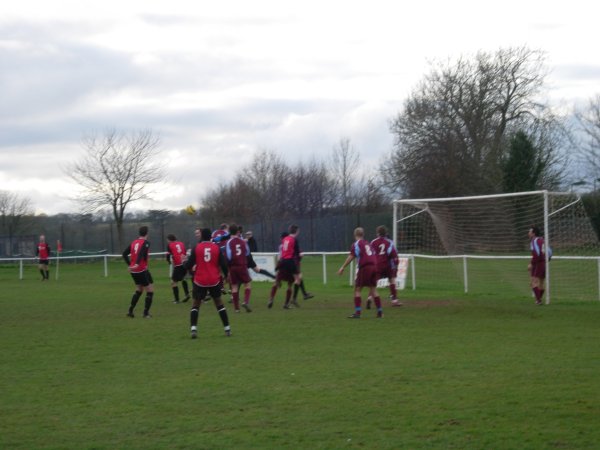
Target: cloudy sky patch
{"x": 219, "y": 81}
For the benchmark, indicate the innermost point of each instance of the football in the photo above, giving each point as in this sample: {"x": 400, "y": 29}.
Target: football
{"x": 190, "y": 210}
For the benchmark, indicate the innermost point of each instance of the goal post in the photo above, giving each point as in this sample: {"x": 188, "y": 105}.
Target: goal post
{"x": 479, "y": 244}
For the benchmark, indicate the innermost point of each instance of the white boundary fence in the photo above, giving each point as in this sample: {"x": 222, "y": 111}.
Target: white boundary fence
{"x": 465, "y": 258}
{"x": 105, "y": 258}
{"x": 412, "y": 267}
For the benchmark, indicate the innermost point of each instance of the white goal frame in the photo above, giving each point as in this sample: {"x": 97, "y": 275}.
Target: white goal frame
{"x": 397, "y": 217}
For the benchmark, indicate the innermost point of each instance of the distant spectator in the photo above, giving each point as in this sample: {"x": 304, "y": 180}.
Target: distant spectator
{"x": 251, "y": 242}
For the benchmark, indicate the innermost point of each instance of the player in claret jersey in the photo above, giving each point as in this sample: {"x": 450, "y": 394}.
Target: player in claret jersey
{"x": 237, "y": 252}
{"x": 209, "y": 262}
{"x": 221, "y": 236}
{"x": 43, "y": 253}
{"x": 366, "y": 276}
{"x": 387, "y": 262}
{"x": 176, "y": 253}
{"x": 537, "y": 265}
{"x": 139, "y": 250}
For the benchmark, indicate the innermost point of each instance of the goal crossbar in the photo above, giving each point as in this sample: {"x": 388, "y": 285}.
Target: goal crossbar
{"x": 477, "y": 197}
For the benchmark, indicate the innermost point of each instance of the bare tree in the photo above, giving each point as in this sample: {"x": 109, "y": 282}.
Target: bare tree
{"x": 117, "y": 169}
{"x": 13, "y": 208}
{"x": 455, "y": 129}
{"x": 345, "y": 169}
{"x": 588, "y": 120}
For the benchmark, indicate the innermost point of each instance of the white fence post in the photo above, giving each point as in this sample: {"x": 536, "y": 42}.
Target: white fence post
{"x": 105, "y": 266}
{"x": 324, "y": 268}
{"x": 351, "y": 272}
{"x": 20, "y": 269}
{"x": 413, "y": 272}
{"x": 465, "y": 275}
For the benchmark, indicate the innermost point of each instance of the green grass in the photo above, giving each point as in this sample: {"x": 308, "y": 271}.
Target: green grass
{"x": 447, "y": 370}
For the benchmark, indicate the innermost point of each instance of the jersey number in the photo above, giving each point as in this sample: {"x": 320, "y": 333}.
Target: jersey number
{"x": 207, "y": 254}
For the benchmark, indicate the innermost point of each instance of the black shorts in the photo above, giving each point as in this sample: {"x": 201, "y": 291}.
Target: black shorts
{"x": 251, "y": 262}
{"x": 142, "y": 278}
{"x": 44, "y": 262}
{"x": 289, "y": 265}
{"x": 179, "y": 273}
{"x": 199, "y": 292}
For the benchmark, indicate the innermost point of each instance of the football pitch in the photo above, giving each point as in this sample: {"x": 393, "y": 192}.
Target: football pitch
{"x": 446, "y": 370}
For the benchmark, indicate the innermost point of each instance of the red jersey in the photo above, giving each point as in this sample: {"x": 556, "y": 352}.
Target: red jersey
{"x": 365, "y": 256}
{"x": 176, "y": 250}
{"x": 385, "y": 252}
{"x": 139, "y": 250}
{"x": 43, "y": 250}
{"x": 206, "y": 257}
{"x": 288, "y": 247}
{"x": 237, "y": 251}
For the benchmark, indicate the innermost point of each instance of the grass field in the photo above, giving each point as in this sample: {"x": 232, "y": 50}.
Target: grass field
{"x": 446, "y": 370}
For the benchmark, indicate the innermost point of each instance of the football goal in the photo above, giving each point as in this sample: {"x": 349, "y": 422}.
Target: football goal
{"x": 479, "y": 244}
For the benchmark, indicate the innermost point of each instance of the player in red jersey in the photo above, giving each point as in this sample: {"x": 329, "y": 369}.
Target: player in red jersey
{"x": 290, "y": 250}
{"x": 220, "y": 238}
{"x": 366, "y": 275}
{"x": 387, "y": 262}
{"x": 284, "y": 273}
{"x": 42, "y": 251}
{"x": 300, "y": 285}
{"x": 176, "y": 254}
{"x": 209, "y": 262}
{"x": 139, "y": 250}
{"x": 537, "y": 265}
{"x": 237, "y": 252}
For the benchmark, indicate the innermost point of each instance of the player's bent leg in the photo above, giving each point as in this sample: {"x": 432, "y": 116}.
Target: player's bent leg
{"x": 222, "y": 315}
{"x": 148, "y": 301}
{"x": 134, "y": 300}
{"x": 186, "y": 290}
{"x": 247, "y": 293}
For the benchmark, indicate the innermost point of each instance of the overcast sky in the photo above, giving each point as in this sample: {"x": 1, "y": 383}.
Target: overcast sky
{"x": 219, "y": 80}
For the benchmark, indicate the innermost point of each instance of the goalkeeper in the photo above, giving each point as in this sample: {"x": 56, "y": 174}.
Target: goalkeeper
{"x": 537, "y": 265}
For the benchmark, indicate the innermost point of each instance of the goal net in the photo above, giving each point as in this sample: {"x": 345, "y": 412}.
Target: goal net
{"x": 480, "y": 245}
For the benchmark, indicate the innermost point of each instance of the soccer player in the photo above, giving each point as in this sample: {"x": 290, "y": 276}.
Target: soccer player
{"x": 284, "y": 273}
{"x": 209, "y": 262}
{"x": 237, "y": 252}
{"x": 537, "y": 265}
{"x": 251, "y": 263}
{"x": 366, "y": 276}
{"x": 300, "y": 286}
{"x": 252, "y": 244}
{"x": 220, "y": 238}
{"x": 43, "y": 253}
{"x": 176, "y": 253}
{"x": 221, "y": 235}
{"x": 139, "y": 250}
{"x": 387, "y": 262}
